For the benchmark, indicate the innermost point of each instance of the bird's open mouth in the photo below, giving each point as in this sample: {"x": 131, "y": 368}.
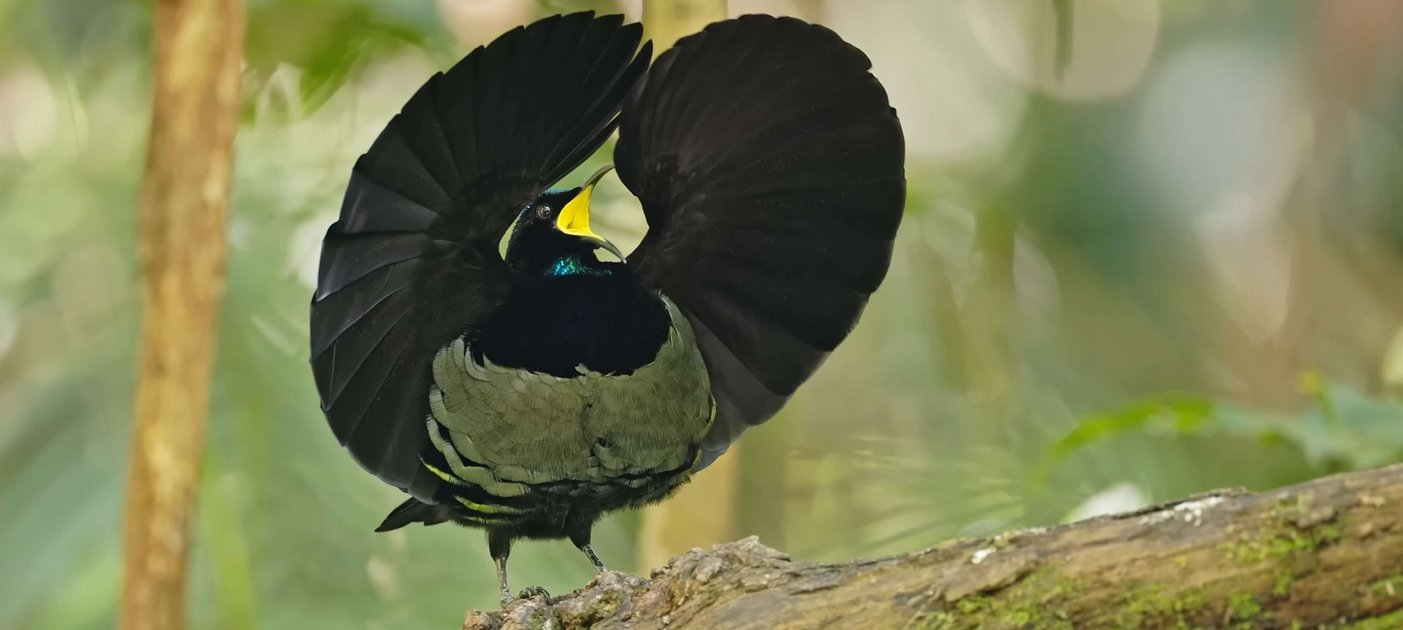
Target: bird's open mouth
{"x": 574, "y": 218}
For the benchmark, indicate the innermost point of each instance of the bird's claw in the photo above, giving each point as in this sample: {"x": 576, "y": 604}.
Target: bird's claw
{"x": 531, "y": 592}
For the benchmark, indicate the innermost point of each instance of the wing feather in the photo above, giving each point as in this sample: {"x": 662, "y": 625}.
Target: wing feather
{"x": 412, "y": 262}
{"x": 770, "y": 166}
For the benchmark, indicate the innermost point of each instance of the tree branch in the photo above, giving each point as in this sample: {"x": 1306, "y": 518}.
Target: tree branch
{"x": 1328, "y": 552}
{"x": 194, "y": 113}
{"x": 707, "y": 504}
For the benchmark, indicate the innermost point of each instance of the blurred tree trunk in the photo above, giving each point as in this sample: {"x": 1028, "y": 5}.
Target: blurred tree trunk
{"x": 195, "y": 109}
{"x": 1328, "y": 553}
{"x": 704, "y": 511}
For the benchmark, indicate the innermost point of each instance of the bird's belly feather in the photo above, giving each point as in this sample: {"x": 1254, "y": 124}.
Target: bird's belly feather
{"x": 606, "y": 439}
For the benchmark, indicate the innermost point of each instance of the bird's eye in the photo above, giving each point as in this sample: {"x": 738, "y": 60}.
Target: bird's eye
{"x": 543, "y": 211}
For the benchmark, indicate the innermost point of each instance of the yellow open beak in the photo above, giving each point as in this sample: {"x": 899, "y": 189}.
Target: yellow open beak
{"x": 574, "y": 217}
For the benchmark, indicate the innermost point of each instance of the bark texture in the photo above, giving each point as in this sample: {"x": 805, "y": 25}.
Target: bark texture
{"x": 1328, "y": 553}
{"x": 195, "y": 111}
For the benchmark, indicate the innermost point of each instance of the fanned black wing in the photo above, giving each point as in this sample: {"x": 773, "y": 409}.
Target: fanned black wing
{"x": 412, "y": 262}
{"x": 771, "y": 170}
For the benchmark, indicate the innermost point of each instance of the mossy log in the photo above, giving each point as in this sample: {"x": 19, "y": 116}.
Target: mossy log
{"x": 1328, "y": 553}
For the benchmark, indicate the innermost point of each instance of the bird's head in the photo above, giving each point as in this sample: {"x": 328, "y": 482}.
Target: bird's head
{"x": 555, "y": 228}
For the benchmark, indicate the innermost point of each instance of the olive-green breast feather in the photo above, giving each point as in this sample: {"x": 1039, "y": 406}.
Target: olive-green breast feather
{"x": 527, "y": 427}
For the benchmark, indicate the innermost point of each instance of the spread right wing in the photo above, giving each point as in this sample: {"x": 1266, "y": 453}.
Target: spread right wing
{"x": 771, "y": 170}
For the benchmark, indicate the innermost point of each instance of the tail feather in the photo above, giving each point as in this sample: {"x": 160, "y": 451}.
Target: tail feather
{"x": 413, "y": 511}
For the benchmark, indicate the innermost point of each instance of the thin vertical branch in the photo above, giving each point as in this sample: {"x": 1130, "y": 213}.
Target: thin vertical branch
{"x": 666, "y": 21}
{"x": 198, "y": 52}
{"x": 703, "y": 512}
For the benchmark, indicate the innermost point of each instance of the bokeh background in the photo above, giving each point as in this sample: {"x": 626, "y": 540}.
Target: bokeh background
{"x": 1151, "y": 248}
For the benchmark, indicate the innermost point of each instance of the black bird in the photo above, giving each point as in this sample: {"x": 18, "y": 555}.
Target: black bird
{"x": 530, "y": 395}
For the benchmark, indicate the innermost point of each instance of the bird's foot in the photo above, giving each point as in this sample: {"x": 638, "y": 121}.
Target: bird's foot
{"x": 531, "y": 592}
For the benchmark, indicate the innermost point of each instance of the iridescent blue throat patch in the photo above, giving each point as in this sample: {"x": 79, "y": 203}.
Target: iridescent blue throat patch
{"x": 573, "y": 266}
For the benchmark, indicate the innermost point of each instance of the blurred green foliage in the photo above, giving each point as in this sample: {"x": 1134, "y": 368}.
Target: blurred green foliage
{"x": 1087, "y": 292}
{"x": 1343, "y": 429}
{"x": 328, "y": 42}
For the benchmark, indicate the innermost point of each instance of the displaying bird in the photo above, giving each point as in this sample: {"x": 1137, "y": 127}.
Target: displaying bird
{"x": 531, "y": 394}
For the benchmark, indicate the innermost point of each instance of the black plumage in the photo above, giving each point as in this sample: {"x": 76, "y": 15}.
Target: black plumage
{"x": 412, "y": 261}
{"x": 596, "y": 315}
{"x": 770, "y": 167}
{"x": 532, "y": 394}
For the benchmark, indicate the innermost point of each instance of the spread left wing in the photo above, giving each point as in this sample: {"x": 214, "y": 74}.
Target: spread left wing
{"x": 412, "y": 262}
